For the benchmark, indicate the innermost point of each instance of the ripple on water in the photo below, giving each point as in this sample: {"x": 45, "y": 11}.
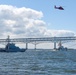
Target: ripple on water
{"x": 42, "y": 62}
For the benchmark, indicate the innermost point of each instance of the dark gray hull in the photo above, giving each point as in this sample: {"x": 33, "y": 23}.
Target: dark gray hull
{"x": 12, "y": 50}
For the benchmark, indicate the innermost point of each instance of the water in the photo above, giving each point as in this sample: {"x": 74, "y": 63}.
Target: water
{"x": 38, "y": 62}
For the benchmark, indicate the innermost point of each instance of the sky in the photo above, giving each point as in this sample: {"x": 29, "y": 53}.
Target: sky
{"x": 37, "y": 18}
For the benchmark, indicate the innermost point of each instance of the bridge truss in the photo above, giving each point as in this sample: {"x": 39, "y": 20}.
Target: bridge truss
{"x": 36, "y": 41}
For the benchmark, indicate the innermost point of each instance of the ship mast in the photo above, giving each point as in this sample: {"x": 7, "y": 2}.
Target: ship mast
{"x": 60, "y": 44}
{"x": 8, "y": 42}
{"x": 8, "y": 39}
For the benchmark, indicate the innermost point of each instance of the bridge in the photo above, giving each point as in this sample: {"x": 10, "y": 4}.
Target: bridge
{"x": 36, "y": 41}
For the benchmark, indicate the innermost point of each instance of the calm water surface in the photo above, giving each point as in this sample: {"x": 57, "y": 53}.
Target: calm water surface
{"x": 38, "y": 62}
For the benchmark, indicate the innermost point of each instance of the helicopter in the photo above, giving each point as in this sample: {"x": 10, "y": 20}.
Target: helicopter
{"x": 60, "y": 7}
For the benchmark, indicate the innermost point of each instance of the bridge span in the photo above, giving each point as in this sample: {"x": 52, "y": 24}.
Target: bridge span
{"x": 38, "y": 40}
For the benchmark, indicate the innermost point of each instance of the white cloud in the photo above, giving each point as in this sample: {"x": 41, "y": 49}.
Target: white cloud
{"x": 27, "y": 22}
{"x": 62, "y": 33}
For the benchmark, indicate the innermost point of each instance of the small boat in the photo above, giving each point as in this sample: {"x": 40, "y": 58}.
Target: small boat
{"x": 62, "y": 48}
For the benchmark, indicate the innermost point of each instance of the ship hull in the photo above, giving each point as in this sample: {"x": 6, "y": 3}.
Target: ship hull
{"x": 12, "y": 50}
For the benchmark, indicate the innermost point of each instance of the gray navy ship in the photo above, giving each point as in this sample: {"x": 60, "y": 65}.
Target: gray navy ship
{"x": 10, "y": 47}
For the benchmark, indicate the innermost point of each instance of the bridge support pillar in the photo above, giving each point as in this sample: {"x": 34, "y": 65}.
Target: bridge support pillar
{"x": 26, "y": 45}
{"x": 54, "y": 45}
{"x": 35, "y": 45}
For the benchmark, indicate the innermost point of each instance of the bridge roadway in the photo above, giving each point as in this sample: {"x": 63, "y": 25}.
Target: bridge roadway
{"x": 38, "y": 40}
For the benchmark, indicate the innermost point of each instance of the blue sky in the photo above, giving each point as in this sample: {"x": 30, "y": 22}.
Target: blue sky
{"x": 58, "y": 22}
{"x": 55, "y": 19}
